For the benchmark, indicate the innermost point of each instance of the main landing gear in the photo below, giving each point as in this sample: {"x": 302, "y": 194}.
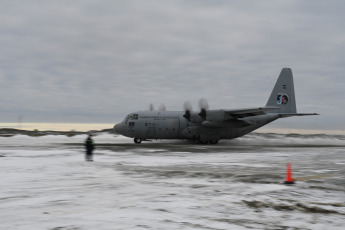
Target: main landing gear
{"x": 213, "y": 142}
{"x": 137, "y": 140}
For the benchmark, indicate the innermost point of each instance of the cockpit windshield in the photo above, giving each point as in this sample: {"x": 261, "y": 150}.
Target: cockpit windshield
{"x": 126, "y": 119}
{"x": 133, "y": 117}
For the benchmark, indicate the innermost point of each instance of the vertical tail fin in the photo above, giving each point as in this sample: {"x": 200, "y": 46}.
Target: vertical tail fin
{"x": 283, "y": 94}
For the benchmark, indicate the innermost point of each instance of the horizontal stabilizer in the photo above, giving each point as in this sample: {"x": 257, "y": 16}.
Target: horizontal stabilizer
{"x": 283, "y": 115}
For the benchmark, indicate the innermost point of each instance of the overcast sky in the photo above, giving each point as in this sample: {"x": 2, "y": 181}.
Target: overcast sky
{"x": 96, "y": 61}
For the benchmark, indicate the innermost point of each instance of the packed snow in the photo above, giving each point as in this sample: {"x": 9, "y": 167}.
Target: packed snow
{"x": 237, "y": 184}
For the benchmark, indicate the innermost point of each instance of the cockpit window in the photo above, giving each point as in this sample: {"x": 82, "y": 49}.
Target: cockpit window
{"x": 133, "y": 117}
{"x": 126, "y": 119}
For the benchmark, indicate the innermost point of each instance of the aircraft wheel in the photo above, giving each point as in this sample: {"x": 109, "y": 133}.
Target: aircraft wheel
{"x": 214, "y": 142}
{"x": 137, "y": 140}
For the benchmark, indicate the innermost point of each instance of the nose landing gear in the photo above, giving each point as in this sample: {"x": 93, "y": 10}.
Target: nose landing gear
{"x": 137, "y": 140}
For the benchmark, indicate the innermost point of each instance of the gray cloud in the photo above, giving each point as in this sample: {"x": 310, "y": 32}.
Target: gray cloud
{"x": 95, "y": 61}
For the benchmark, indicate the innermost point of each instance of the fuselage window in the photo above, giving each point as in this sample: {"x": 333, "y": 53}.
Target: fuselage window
{"x": 131, "y": 124}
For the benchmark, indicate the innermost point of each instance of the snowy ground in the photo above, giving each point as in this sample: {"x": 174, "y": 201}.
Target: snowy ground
{"x": 46, "y": 184}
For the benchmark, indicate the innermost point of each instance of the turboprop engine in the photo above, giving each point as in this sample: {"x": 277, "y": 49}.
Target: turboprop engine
{"x": 194, "y": 116}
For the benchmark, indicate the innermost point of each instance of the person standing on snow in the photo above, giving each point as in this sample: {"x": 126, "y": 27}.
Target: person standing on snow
{"x": 89, "y": 148}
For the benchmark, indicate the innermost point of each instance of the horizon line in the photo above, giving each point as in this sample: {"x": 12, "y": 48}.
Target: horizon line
{"x": 84, "y": 127}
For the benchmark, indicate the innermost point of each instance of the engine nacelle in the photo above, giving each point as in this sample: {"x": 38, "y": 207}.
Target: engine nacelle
{"x": 193, "y": 117}
{"x": 196, "y": 118}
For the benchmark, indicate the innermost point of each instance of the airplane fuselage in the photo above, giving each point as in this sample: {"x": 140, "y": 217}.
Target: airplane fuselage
{"x": 145, "y": 125}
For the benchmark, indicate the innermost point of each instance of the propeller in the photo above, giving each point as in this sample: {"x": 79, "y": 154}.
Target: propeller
{"x": 203, "y": 105}
{"x": 190, "y": 116}
{"x": 187, "y": 108}
{"x": 162, "y": 107}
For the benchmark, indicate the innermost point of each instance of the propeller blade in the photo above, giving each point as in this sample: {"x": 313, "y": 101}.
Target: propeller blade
{"x": 162, "y": 107}
{"x": 151, "y": 107}
{"x": 188, "y": 108}
{"x": 203, "y": 105}
{"x": 203, "y": 113}
{"x": 187, "y": 115}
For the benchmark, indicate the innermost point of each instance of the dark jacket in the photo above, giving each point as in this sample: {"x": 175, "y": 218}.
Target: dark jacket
{"x": 89, "y": 144}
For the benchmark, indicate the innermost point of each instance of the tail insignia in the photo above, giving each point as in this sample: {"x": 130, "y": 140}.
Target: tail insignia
{"x": 282, "y": 99}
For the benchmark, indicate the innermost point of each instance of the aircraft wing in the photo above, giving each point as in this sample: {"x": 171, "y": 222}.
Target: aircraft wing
{"x": 249, "y": 112}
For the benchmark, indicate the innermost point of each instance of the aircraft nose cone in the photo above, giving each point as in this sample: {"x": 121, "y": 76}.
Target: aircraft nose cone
{"x": 119, "y": 128}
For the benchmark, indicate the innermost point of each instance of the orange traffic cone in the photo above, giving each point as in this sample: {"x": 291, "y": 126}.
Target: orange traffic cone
{"x": 289, "y": 179}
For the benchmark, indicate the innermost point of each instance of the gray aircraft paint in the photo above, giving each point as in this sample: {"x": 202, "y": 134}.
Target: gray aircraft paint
{"x": 215, "y": 124}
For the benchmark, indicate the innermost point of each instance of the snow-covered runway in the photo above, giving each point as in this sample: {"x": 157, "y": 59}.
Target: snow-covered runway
{"x": 46, "y": 184}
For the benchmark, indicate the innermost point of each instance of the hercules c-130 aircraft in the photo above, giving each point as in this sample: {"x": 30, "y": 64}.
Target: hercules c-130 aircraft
{"x": 210, "y": 126}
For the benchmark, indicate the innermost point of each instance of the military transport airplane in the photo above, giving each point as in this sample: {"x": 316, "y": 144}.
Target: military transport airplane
{"x": 210, "y": 126}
